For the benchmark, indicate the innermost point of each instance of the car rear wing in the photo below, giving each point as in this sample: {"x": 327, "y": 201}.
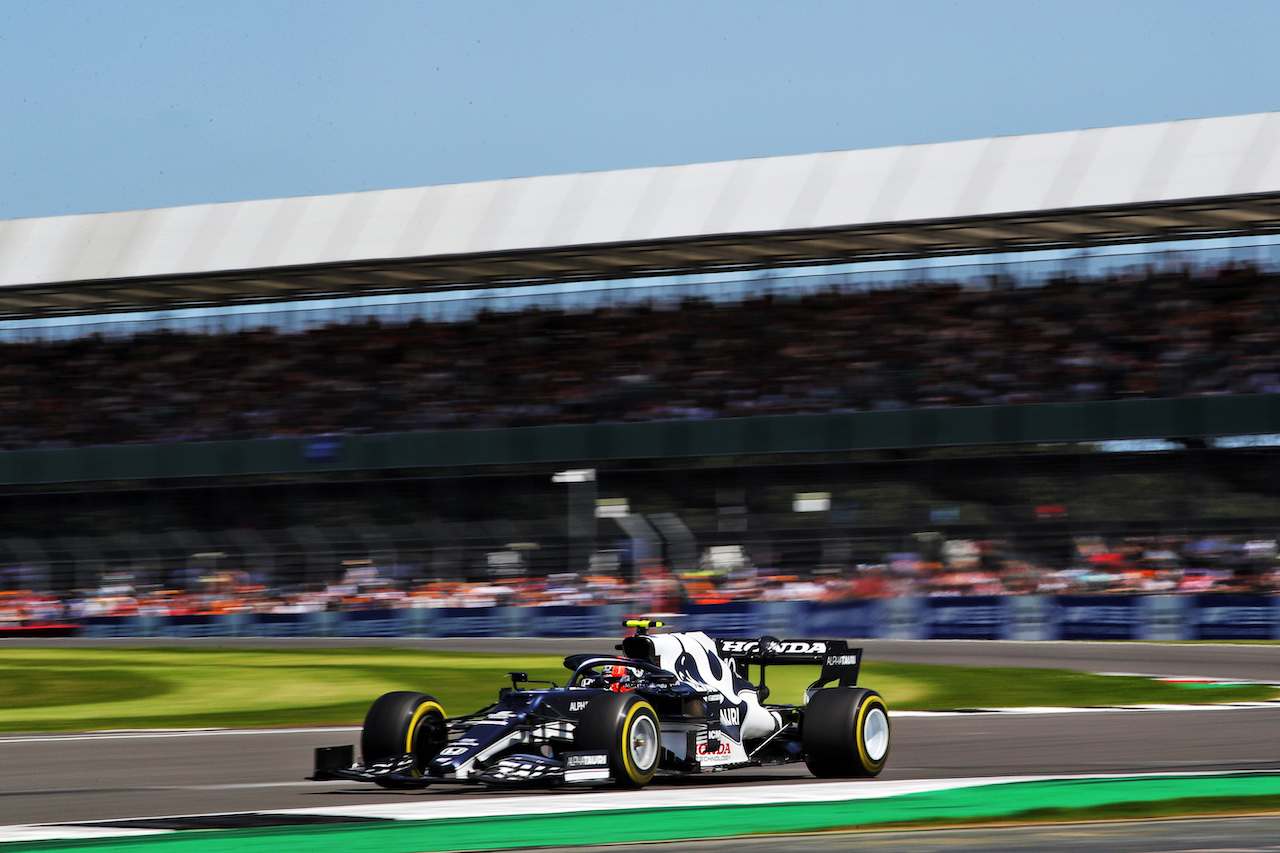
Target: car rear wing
{"x": 839, "y": 662}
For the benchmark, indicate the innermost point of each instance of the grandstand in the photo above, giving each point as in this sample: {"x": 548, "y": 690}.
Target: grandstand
{"x": 295, "y": 390}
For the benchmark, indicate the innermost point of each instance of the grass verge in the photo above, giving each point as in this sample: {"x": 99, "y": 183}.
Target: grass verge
{"x": 85, "y": 689}
{"x": 1181, "y": 807}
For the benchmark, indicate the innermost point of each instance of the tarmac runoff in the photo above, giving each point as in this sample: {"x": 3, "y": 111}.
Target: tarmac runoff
{"x": 603, "y": 817}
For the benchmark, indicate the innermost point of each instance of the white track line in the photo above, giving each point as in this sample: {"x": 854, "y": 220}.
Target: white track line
{"x": 1101, "y": 709}
{"x": 149, "y": 734}
{"x": 649, "y": 798}
{"x": 56, "y": 832}
{"x": 595, "y": 801}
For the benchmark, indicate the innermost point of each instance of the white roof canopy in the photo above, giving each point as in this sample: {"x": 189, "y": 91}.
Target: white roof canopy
{"x": 1195, "y": 178}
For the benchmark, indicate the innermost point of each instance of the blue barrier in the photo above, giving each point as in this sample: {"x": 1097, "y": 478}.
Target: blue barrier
{"x": 837, "y": 619}
{"x": 735, "y": 619}
{"x": 1066, "y": 617}
{"x": 1234, "y": 617}
{"x": 566, "y": 621}
{"x": 1100, "y": 617}
{"x": 1030, "y": 617}
{"x": 978, "y": 617}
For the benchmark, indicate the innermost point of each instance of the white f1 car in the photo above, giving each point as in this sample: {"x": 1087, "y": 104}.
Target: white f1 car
{"x": 677, "y": 703}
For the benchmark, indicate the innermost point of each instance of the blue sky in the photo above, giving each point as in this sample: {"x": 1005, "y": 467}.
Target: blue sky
{"x": 129, "y": 104}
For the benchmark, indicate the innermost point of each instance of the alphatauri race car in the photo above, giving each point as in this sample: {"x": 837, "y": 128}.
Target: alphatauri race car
{"x": 673, "y": 703}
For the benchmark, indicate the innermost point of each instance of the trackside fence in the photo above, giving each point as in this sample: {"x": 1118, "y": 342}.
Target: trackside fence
{"x": 1021, "y": 617}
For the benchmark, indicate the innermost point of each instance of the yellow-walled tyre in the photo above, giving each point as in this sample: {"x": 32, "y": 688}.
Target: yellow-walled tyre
{"x": 845, "y": 732}
{"x": 626, "y": 727}
{"x": 403, "y": 722}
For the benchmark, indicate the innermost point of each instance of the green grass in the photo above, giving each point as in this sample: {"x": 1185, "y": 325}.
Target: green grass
{"x": 921, "y": 687}
{"x": 66, "y": 690}
{"x": 83, "y": 689}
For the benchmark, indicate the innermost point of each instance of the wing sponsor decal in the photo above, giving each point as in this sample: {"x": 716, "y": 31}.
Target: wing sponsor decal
{"x": 586, "y": 767}
{"x": 775, "y": 647}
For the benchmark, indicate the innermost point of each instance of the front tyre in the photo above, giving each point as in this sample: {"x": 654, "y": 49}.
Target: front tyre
{"x": 845, "y": 732}
{"x": 403, "y": 722}
{"x": 626, "y": 727}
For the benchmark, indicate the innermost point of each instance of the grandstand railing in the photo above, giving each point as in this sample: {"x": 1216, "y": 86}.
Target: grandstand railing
{"x": 1203, "y": 418}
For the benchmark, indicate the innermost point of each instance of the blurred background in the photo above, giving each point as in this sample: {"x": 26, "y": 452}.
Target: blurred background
{"x": 1021, "y": 369}
{"x": 301, "y": 409}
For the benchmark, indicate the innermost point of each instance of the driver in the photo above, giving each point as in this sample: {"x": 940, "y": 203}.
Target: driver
{"x": 618, "y": 678}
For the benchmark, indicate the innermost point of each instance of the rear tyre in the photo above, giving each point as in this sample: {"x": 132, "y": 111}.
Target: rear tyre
{"x": 626, "y": 727}
{"x": 399, "y": 723}
{"x": 845, "y": 732}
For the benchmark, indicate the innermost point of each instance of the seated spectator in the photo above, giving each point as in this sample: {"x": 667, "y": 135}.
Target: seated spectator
{"x": 1143, "y": 335}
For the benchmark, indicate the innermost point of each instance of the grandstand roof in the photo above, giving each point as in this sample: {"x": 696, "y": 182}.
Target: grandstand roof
{"x": 1181, "y": 179}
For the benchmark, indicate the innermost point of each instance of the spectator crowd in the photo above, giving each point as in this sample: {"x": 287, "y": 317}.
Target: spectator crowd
{"x": 1146, "y": 334}
{"x": 1141, "y": 335}
{"x": 1135, "y": 566}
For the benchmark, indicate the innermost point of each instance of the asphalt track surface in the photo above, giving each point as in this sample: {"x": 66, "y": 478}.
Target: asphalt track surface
{"x": 100, "y": 776}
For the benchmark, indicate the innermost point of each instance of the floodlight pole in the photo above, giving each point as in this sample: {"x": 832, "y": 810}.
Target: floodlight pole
{"x": 581, "y": 516}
